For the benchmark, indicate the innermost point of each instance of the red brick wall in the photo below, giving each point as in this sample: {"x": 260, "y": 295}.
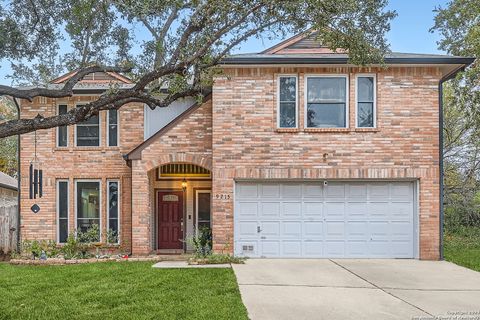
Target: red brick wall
{"x": 247, "y": 145}
{"x": 76, "y": 163}
{"x": 190, "y": 141}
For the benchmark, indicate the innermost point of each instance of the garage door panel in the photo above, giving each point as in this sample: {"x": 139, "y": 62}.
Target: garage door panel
{"x": 247, "y": 229}
{"x": 270, "y": 248}
{"x": 313, "y": 210}
{"x": 270, "y": 210}
{"x": 291, "y": 229}
{"x": 343, "y": 219}
{"x": 401, "y": 190}
{"x": 270, "y": 191}
{"x": 335, "y": 190}
{"x": 270, "y": 229}
{"x": 357, "y": 230}
{"x": 292, "y": 249}
{"x": 334, "y": 249}
{"x": 357, "y": 249}
{"x": 379, "y": 190}
{"x": 334, "y": 210}
{"x": 356, "y": 211}
{"x": 248, "y": 209}
{"x": 313, "y": 249}
{"x": 292, "y": 209}
{"x": 357, "y": 191}
{"x": 313, "y": 230}
{"x": 291, "y": 191}
{"x": 247, "y": 190}
{"x": 334, "y": 230}
{"x": 313, "y": 190}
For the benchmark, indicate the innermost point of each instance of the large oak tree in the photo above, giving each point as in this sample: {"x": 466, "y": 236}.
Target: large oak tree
{"x": 170, "y": 48}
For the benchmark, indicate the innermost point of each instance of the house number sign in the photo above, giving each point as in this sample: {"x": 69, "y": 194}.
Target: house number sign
{"x": 222, "y": 196}
{"x": 170, "y": 197}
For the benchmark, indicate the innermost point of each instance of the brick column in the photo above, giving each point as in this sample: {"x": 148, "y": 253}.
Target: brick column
{"x": 140, "y": 210}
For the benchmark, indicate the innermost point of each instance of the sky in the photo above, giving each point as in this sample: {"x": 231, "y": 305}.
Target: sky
{"x": 409, "y": 31}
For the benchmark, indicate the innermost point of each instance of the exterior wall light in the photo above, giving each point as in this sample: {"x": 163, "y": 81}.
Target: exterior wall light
{"x": 184, "y": 184}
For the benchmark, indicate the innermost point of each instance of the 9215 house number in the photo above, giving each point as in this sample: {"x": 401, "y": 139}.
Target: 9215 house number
{"x": 222, "y": 196}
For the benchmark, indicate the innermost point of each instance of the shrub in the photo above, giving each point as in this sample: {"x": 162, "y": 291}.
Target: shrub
{"x": 201, "y": 242}
{"x": 34, "y": 248}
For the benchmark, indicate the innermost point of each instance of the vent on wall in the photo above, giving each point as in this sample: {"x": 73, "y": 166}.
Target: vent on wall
{"x": 183, "y": 170}
{"x": 247, "y": 249}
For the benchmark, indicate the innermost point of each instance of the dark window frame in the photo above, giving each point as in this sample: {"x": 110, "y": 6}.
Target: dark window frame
{"x": 59, "y": 218}
{"x": 119, "y": 201}
{"x": 279, "y": 101}
{"x": 82, "y": 124}
{"x": 344, "y": 103}
{"x": 59, "y": 129}
{"x": 374, "y": 102}
{"x": 109, "y": 128}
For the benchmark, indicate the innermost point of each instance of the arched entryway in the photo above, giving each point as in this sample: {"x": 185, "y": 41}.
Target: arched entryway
{"x": 181, "y": 204}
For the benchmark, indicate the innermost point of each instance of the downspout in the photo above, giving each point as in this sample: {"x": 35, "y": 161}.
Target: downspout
{"x": 440, "y": 141}
{"x": 18, "y": 180}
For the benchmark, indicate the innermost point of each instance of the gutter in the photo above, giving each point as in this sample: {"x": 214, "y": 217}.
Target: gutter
{"x": 19, "y": 178}
{"x": 9, "y": 187}
{"x": 273, "y": 60}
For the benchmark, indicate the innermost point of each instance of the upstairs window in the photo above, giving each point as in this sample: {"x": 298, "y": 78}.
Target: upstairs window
{"x": 287, "y": 102}
{"x": 112, "y": 128}
{"x": 366, "y": 112}
{"x": 88, "y": 132}
{"x": 326, "y": 100}
{"x": 62, "y": 132}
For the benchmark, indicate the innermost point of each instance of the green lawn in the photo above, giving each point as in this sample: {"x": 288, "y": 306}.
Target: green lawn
{"x": 463, "y": 248}
{"x": 132, "y": 290}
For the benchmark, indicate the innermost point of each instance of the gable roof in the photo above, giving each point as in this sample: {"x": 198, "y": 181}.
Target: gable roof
{"x": 96, "y": 77}
{"x": 8, "y": 182}
{"x": 305, "y": 49}
{"x": 304, "y": 42}
{"x": 137, "y": 152}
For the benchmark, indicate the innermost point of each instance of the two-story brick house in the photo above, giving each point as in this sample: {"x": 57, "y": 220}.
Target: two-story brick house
{"x": 295, "y": 153}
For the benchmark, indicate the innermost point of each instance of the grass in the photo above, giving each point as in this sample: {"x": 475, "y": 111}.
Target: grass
{"x": 130, "y": 290}
{"x": 463, "y": 247}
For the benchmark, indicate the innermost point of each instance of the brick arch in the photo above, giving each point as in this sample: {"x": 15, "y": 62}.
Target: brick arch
{"x": 197, "y": 159}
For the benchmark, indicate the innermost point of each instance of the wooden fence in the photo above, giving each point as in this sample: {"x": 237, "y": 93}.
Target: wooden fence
{"x": 8, "y": 228}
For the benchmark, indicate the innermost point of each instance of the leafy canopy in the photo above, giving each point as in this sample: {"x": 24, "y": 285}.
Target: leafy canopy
{"x": 170, "y": 47}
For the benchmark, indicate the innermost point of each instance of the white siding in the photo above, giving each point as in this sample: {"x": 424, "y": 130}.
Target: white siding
{"x": 160, "y": 117}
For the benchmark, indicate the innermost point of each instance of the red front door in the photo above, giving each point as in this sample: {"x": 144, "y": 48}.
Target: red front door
{"x": 169, "y": 217}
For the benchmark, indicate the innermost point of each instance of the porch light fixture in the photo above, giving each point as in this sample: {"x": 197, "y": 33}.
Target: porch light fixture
{"x": 184, "y": 184}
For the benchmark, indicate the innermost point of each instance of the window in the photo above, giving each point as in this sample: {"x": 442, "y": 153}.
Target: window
{"x": 62, "y": 132}
{"x": 366, "y": 112}
{"x": 113, "y": 212}
{"x": 88, "y": 205}
{"x": 113, "y": 128}
{"x": 62, "y": 210}
{"x": 287, "y": 102}
{"x": 202, "y": 206}
{"x": 88, "y": 132}
{"x": 326, "y": 99}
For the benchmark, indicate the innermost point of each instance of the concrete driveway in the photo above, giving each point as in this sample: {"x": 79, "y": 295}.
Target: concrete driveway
{"x": 357, "y": 289}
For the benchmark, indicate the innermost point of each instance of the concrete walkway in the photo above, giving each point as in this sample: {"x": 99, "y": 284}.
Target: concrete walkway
{"x": 357, "y": 289}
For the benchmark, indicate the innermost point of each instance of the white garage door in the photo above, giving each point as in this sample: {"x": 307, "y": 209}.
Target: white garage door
{"x": 314, "y": 220}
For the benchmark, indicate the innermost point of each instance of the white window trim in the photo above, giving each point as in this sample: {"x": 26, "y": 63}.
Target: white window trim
{"x": 100, "y": 225}
{"x": 119, "y": 208}
{"x": 108, "y": 129}
{"x": 57, "y": 131}
{"x": 196, "y": 207}
{"x": 99, "y": 129}
{"x": 374, "y": 76}
{"x": 347, "y": 98}
{"x": 58, "y": 208}
{"x": 296, "y": 100}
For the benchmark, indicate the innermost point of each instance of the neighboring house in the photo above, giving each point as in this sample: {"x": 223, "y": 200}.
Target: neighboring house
{"x": 295, "y": 153}
{"x": 8, "y": 191}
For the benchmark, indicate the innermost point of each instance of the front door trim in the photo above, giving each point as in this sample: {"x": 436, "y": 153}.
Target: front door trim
{"x": 156, "y": 212}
